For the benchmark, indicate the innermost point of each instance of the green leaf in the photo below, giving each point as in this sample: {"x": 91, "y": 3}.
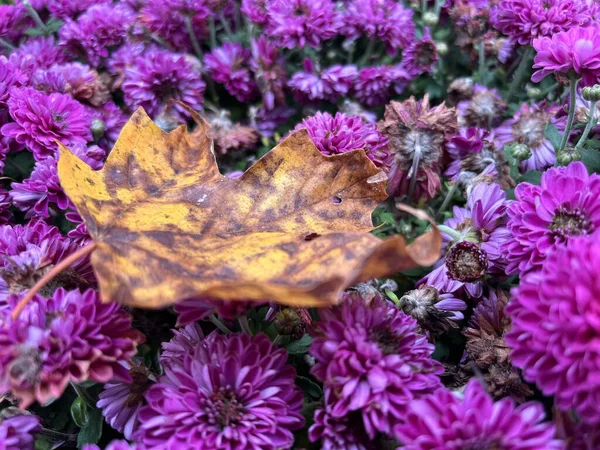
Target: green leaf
{"x": 533, "y": 177}
{"x": 300, "y": 346}
{"x": 513, "y": 164}
{"x": 53, "y": 25}
{"x": 591, "y": 158}
{"x": 79, "y": 412}
{"x": 309, "y": 387}
{"x": 553, "y": 135}
{"x": 34, "y": 32}
{"x": 91, "y": 433}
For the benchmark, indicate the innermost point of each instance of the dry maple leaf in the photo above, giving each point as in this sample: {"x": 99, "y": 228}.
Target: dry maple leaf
{"x": 293, "y": 229}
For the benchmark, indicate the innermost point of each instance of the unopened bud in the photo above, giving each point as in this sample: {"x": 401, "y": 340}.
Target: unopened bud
{"x": 591, "y": 93}
{"x": 98, "y": 129}
{"x": 441, "y": 48}
{"x": 430, "y": 19}
{"x": 519, "y": 151}
{"x": 568, "y": 155}
{"x": 533, "y": 92}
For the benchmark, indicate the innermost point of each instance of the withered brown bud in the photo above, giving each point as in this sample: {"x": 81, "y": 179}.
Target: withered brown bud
{"x": 459, "y": 90}
{"x": 421, "y": 305}
{"x": 466, "y": 261}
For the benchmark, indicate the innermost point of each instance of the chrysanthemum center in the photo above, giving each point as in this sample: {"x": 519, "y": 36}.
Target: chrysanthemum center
{"x": 138, "y": 386}
{"x": 570, "y": 222}
{"x": 26, "y": 367}
{"x": 387, "y": 341}
{"x": 224, "y": 409}
{"x": 425, "y": 54}
{"x": 529, "y": 129}
{"x": 494, "y": 445}
{"x": 466, "y": 262}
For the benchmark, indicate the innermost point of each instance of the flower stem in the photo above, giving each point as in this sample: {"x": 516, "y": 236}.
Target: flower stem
{"x": 36, "y": 17}
{"x": 588, "y": 127}
{"x": 212, "y": 32}
{"x": 455, "y": 235}
{"x": 520, "y": 72}
{"x": 7, "y": 45}
{"x": 572, "y": 92}
{"x": 220, "y": 325}
{"x": 368, "y": 52}
{"x": 449, "y": 196}
{"x": 62, "y": 265}
{"x": 226, "y": 26}
{"x": 192, "y": 35}
{"x": 481, "y": 60}
{"x": 244, "y": 325}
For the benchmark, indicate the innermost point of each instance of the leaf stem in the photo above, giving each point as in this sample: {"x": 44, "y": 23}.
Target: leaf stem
{"x": 81, "y": 392}
{"x": 62, "y": 265}
{"x": 589, "y": 126}
{"x": 520, "y": 72}
{"x": 449, "y": 196}
{"x": 36, "y": 17}
{"x": 368, "y": 52}
{"x": 244, "y": 325}
{"x": 7, "y": 45}
{"x": 572, "y": 92}
{"x": 220, "y": 325}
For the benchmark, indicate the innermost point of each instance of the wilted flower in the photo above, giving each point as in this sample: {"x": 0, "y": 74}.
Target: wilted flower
{"x": 296, "y": 23}
{"x": 341, "y": 134}
{"x": 159, "y": 76}
{"x": 575, "y": 50}
{"x": 483, "y": 109}
{"x": 229, "y": 136}
{"x": 42, "y": 119}
{"x": 231, "y": 391}
{"x": 554, "y": 321}
{"x": 228, "y": 65}
{"x": 420, "y": 56}
{"x": 442, "y": 420}
{"x": 460, "y": 89}
{"x": 71, "y": 336}
{"x": 18, "y": 432}
{"x": 373, "y": 361}
{"x": 543, "y": 218}
{"x": 528, "y": 127}
{"x": 416, "y": 134}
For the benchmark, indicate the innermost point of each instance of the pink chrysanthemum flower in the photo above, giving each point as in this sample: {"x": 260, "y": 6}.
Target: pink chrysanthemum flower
{"x": 42, "y": 119}
{"x": 228, "y": 65}
{"x": 555, "y": 326}
{"x": 543, "y": 218}
{"x": 443, "y": 421}
{"x": 71, "y": 336}
{"x": 528, "y": 126}
{"x": 576, "y": 51}
{"x": 18, "y": 432}
{"x": 374, "y": 362}
{"x": 525, "y": 20}
{"x": 230, "y": 392}
{"x": 337, "y": 134}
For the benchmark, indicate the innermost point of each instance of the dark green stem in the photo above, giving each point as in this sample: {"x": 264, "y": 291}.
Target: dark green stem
{"x": 192, "y": 35}
{"x": 368, "y": 52}
{"x": 589, "y": 126}
{"x": 7, "y": 45}
{"x": 521, "y": 72}
{"x": 572, "y": 93}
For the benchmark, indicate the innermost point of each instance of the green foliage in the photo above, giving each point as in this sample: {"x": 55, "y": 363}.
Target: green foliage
{"x": 300, "y": 346}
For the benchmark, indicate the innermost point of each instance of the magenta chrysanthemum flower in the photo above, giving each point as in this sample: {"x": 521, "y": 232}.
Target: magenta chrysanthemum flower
{"x": 9, "y": 76}
{"x": 525, "y": 20}
{"x": 107, "y": 122}
{"x": 71, "y": 336}
{"x": 184, "y": 341}
{"x": 228, "y": 65}
{"x": 69, "y": 9}
{"x": 338, "y": 81}
{"x": 473, "y": 247}
{"x": 43, "y": 52}
{"x": 95, "y": 31}
{"x": 388, "y": 20}
{"x": 555, "y": 333}
{"x": 115, "y": 445}
{"x": 337, "y": 134}
{"x": 307, "y": 86}
{"x": 42, "y": 189}
{"x": 18, "y": 432}
{"x": 42, "y": 119}
{"x": 296, "y": 23}
{"x": 231, "y": 392}
{"x": 269, "y": 71}
{"x": 374, "y": 85}
{"x": 576, "y": 50}
{"x": 443, "y": 421}
{"x": 543, "y": 218}
{"x": 12, "y": 21}
{"x": 528, "y": 127}
{"x": 194, "y": 309}
{"x": 121, "y": 401}
{"x": 5, "y": 204}
{"x": 160, "y": 76}
{"x": 373, "y": 361}
{"x": 256, "y": 11}
{"x": 472, "y": 152}
{"x": 420, "y": 56}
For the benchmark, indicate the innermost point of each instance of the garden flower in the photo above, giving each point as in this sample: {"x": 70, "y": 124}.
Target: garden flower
{"x": 270, "y": 74}
{"x": 229, "y": 136}
{"x": 42, "y": 119}
{"x": 160, "y": 76}
{"x": 525, "y": 20}
{"x": 416, "y": 134}
{"x": 340, "y": 134}
{"x": 115, "y": 445}
{"x": 227, "y": 65}
{"x": 296, "y": 23}
{"x": 9, "y": 76}
{"x": 231, "y": 392}
{"x": 68, "y": 9}
{"x": 13, "y": 20}
{"x": 374, "y": 85}
{"x": 338, "y": 81}
{"x": 194, "y": 309}
{"x": 256, "y": 10}
{"x": 528, "y": 127}
{"x": 307, "y": 86}
{"x": 575, "y": 50}
{"x": 18, "y": 432}
{"x": 71, "y": 336}
{"x": 472, "y": 151}
{"x": 43, "y": 52}
{"x": 543, "y": 218}
{"x": 441, "y": 420}
{"x": 420, "y": 56}
{"x": 107, "y": 122}
{"x": 184, "y": 341}
{"x": 373, "y": 361}
{"x": 483, "y": 109}
{"x": 554, "y": 325}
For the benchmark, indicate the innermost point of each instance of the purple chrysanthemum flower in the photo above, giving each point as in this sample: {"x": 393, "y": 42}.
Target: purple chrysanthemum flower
{"x": 374, "y": 85}
{"x": 555, "y": 332}
{"x": 373, "y": 361}
{"x": 472, "y": 151}
{"x": 49, "y": 81}
{"x": 42, "y": 119}
{"x": 69, "y": 9}
{"x": 107, "y": 122}
{"x": 266, "y": 121}
{"x": 307, "y": 86}
{"x": 338, "y": 81}
{"x": 337, "y": 134}
{"x": 525, "y": 20}
{"x": 115, "y": 445}
{"x": 472, "y": 241}
{"x": 184, "y": 341}
{"x": 387, "y": 20}
{"x": 71, "y": 336}
{"x": 269, "y": 71}
{"x": 122, "y": 58}
{"x": 42, "y": 51}
{"x": 194, "y": 309}
{"x": 228, "y": 65}
{"x": 443, "y": 421}
{"x": 528, "y": 127}
{"x": 18, "y": 432}
{"x": 82, "y": 83}
{"x": 296, "y": 23}
{"x": 5, "y": 204}
{"x": 121, "y": 401}
{"x": 9, "y": 76}
{"x": 256, "y": 11}
{"x": 420, "y": 56}
{"x": 543, "y": 218}
{"x": 12, "y": 21}
{"x": 95, "y": 31}
{"x": 231, "y": 392}
{"x": 42, "y": 189}
{"x": 576, "y": 50}
{"x": 160, "y": 76}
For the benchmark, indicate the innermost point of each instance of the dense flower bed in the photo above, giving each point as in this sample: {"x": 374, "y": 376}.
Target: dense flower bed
{"x": 481, "y": 113}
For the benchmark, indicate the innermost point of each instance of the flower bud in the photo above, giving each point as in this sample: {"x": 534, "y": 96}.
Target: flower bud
{"x": 430, "y": 19}
{"x": 519, "y": 151}
{"x": 534, "y": 92}
{"x": 98, "y": 129}
{"x": 466, "y": 261}
{"x": 568, "y": 155}
{"x": 288, "y": 322}
{"x": 441, "y": 48}
{"x": 591, "y": 93}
